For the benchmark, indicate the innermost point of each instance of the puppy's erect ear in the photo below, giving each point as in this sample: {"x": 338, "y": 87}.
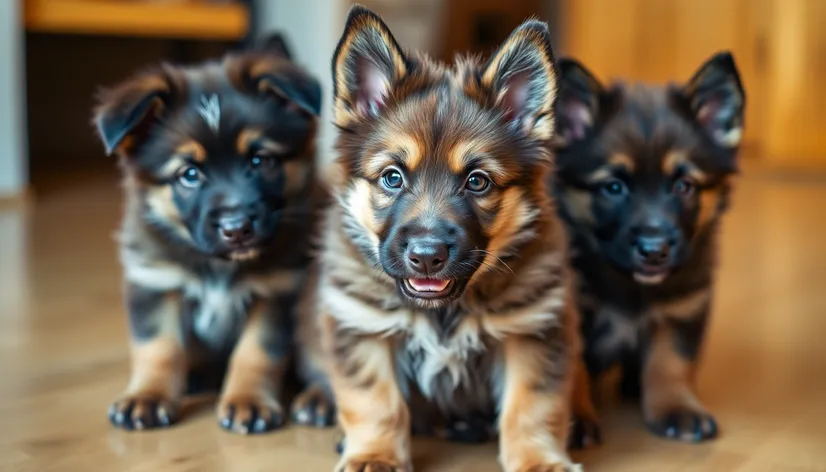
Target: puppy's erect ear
{"x": 367, "y": 63}
{"x": 274, "y": 74}
{"x": 125, "y": 112}
{"x": 276, "y": 44}
{"x": 717, "y": 100}
{"x": 523, "y": 77}
{"x": 578, "y": 105}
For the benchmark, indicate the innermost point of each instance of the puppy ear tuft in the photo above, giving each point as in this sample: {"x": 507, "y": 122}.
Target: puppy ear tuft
{"x": 717, "y": 100}
{"x": 125, "y": 112}
{"x": 272, "y": 74}
{"x": 523, "y": 78}
{"x": 578, "y": 104}
{"x": 367, "y": 63}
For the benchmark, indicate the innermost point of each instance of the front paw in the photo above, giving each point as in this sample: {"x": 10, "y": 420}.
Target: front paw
{"x": 682, "y": 424}
{"x": 369, "y": 464}
{"x": 249, "y": 414}
{"x": 585, "y": 432}
{"x": 143, "y": 410}
{"x": 555, "y": 467}
{"x": 314, "y": 407}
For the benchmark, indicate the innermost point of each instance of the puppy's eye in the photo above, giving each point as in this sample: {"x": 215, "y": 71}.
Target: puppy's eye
{"x": 614, "y": 188}
{"x": 262, "y": 161}
{"x": 684, "y": 187}
{"x": 477, "y": 182}
{"x": 392, "y": 179}
{"x": 191, "y": 177}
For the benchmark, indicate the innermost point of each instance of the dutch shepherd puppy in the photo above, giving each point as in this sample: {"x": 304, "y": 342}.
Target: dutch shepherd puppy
{"x": 444, "y": 287}
{"x": 218, "y": 175}
{"x": 644, "y": 177}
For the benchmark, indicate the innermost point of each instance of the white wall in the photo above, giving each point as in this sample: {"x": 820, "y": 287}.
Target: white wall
{"x": 13, "y": 152}
{"x": 312, "y": 28}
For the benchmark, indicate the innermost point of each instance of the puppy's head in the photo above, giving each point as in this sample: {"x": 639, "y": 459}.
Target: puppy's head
{"x": 644, "y": 171}
{"x": 216, "y": 155}
{"x": 444, "y": 166}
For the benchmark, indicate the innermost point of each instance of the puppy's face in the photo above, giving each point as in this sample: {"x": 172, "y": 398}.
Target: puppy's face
{"x": 217, "y": 154}
{"x": 443, "y": 167}
{"x": 644, "y": 171}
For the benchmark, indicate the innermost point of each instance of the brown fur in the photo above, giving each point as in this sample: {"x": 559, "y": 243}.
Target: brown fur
{"x": 512, "y": 324}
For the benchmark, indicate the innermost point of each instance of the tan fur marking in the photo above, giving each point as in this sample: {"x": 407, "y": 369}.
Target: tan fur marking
{"x": 191, "y": 150}
{"x": 534, "y": 423}
{"x": 253, "y": 380}
{"x": 684, "y": 308}
{"x": 578, "y": 202}
{"x": 360, "y": 204}
{"x": 622, "y": 160}
{"x": 374, "y": 416}
{"x": 676, "y": 159}
{"x": 582, "y": 401}
{"x": 296, "y": 175}
{"x": 173, "y": 166}
{"x": 160, "y": 202}
{"x": 709, "y": 205}
{"x": 158, "y": 376}
{"x": 245, "y": 138}
{"x": 667, "y": 379}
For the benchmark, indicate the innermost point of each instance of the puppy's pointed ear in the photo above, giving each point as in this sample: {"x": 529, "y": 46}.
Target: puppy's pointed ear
{"x": 578, "y": 104}
{"x": 276, "y": 44}
{"x": 267, "y": 73}
{"x": 124, "y": 113}
{"x": 717, "y": 100}
{"x": 367, "y": 63}
{"x": 523, "y": 78}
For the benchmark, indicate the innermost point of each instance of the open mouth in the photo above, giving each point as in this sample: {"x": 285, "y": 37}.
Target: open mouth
{"x": 651, "y": 275}
{"x": 428, "y": 288}
{"x": 244, "y": 254}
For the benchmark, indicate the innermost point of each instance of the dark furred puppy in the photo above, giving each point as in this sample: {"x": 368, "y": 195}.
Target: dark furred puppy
{"x": 644, "y": 177}
{"x": 443, "y": 287}
{"x": 218, "y": 168}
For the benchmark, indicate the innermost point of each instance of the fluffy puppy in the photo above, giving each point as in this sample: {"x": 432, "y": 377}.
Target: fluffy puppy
{"x": 217, "y": 164}
{"x": 443, "y": 285}
{"x": 644, "y": 178}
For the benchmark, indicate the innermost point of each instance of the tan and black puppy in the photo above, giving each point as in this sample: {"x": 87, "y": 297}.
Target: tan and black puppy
{"x": 218, "y": 177}
{"x": 443, "y": 286}
{"x": 644, "y": 177}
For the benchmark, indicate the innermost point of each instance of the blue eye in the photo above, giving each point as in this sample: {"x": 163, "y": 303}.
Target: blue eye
{"x": 684, "y": 187}
{"x": 477, "y": 182}
{"x": 261, "y": 161}
{"x": 392, "y": 179}
{"x": 191, "y": 177}
{"x": 614, "y": 188}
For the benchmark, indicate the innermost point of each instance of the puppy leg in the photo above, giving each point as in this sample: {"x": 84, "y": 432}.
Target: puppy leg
{"x": 536, "y": 402}
{"x": 372, "y": 411}
{"x": 670, "y": 406}
{"x": 152, "y": 398}
{"x": 249, "y": 400}
{"x": 586, "y": 430}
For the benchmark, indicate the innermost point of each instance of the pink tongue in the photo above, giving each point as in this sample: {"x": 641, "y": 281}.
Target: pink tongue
{"x": 428, "y": 285}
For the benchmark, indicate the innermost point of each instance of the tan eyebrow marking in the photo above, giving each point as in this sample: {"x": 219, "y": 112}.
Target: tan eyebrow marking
{"x": 676, "y": 159}
{"x": 619, "y": 160}
{"x": 247, "y": 136}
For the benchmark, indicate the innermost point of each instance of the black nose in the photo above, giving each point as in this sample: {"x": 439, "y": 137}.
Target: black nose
{"x": 426, "y": 256}
{"x": 653, "y": 250}
{"x": 235, "y": 229}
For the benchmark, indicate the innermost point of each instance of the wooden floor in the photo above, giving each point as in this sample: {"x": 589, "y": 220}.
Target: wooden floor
{"x": 63, "y": 354}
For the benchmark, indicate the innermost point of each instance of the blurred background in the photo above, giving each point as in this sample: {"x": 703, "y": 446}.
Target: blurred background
{"x": 55, "y": 53}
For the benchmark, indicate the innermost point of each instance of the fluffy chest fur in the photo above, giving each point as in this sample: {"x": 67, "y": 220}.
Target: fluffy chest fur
{"x": 215, "y": 298}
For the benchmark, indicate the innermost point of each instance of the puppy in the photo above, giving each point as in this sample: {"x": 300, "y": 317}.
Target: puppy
{"x": 218, "y": 176}
{"x": 644, "y": 177}
{"x": 443, "y": 285}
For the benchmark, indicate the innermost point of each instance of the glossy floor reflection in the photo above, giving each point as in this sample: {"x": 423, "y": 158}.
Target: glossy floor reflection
{"x": 63, "y": 354}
